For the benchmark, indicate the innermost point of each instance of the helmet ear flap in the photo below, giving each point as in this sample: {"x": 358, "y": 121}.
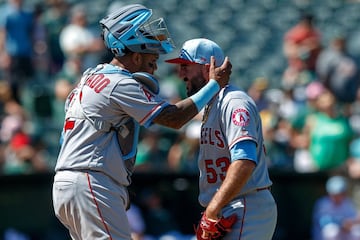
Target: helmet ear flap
{"x": 118, "y": 52}
{"x": 104, "y": 34}
{"x": 112, "y": 43}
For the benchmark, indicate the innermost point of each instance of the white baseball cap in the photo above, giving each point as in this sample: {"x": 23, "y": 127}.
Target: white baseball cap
{"x": 199, "y": 50}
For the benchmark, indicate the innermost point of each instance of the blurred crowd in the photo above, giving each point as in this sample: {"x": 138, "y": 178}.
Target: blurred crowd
{"x": 43, "y": 51}
{"x": 309, "y": 121}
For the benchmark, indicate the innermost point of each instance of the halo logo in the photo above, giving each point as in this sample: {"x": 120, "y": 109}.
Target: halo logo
{"x": 240, "y": 117}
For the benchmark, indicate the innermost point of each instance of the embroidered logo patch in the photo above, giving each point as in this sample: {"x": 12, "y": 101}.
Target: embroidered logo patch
{"x": 148, "y": 94}
{"x": 240, "y": 117}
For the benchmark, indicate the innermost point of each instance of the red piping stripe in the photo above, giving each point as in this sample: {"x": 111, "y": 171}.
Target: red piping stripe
{"x": 243, "y": 218}
{"x": 152, "y": 110}
{"x": 97, "y": 206}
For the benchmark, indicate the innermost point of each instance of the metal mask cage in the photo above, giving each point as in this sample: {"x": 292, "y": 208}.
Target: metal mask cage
{"x": 156, "y": 30}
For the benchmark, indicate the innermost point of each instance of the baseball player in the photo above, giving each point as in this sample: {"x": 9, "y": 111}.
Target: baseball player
{"x": 234, "y": 184}
{"x": 103, "y": 115}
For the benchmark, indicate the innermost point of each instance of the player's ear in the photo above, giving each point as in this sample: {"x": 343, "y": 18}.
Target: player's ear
{"x": 136, "y": 58}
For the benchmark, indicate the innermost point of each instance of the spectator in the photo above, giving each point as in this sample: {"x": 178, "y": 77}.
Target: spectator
{"x": 302, "y": 45}
{"x": 353, "y": 168}
{"x": 327, "y": 134}
{"x": 136, "y": 221}
{"x": 13, "y": 120}
{"x": 303, "y": 161}
{"x": 353, "y": 163}
{"x": 20, "y": 152}
{"x": 276, "y": 128}
{"x": 76, "y": 39}
{"x": 183, "y": 154}
{"x": 40, "y": 57}
{"x": 61, "y": 90}
{"x": 338, "y": 70}
{"x": 16, "y": 45}
{"x": 21, "y": 157}
{"x": 71, "y": 71}
{"x": 335, "y": 215}
{"x": 54, "y": 18}
{"x": 257, "y": 92}
{"x": 5, "y": 96}
{"x": 152, "y": 151}
{"x": 64, "y": 81}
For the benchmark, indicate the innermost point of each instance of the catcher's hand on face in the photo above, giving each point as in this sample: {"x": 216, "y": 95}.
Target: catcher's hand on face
{"x": 220, "y": 74}
{"x": 209, "y": 229}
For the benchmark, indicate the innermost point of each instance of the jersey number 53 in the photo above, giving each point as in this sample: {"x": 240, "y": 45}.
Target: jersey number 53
{"x": 216, "y": 169}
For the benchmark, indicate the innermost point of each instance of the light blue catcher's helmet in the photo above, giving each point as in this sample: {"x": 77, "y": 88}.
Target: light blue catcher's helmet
{"x": 128, "y": 29}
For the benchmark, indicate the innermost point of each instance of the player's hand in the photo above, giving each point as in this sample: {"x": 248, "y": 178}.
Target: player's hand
{"x": 220, "y": 74}
{"x": 214, "y": 229}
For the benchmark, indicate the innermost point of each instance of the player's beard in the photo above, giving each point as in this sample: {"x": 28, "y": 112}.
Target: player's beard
{"x": 195, "y": 84}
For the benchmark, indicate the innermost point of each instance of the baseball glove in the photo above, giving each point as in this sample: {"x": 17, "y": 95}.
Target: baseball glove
{"x": 214, "y": 230}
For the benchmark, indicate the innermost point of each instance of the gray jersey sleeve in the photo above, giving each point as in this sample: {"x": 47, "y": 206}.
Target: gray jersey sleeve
{"x": 240, "y": 119}
{"x": 139, "y": 102}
